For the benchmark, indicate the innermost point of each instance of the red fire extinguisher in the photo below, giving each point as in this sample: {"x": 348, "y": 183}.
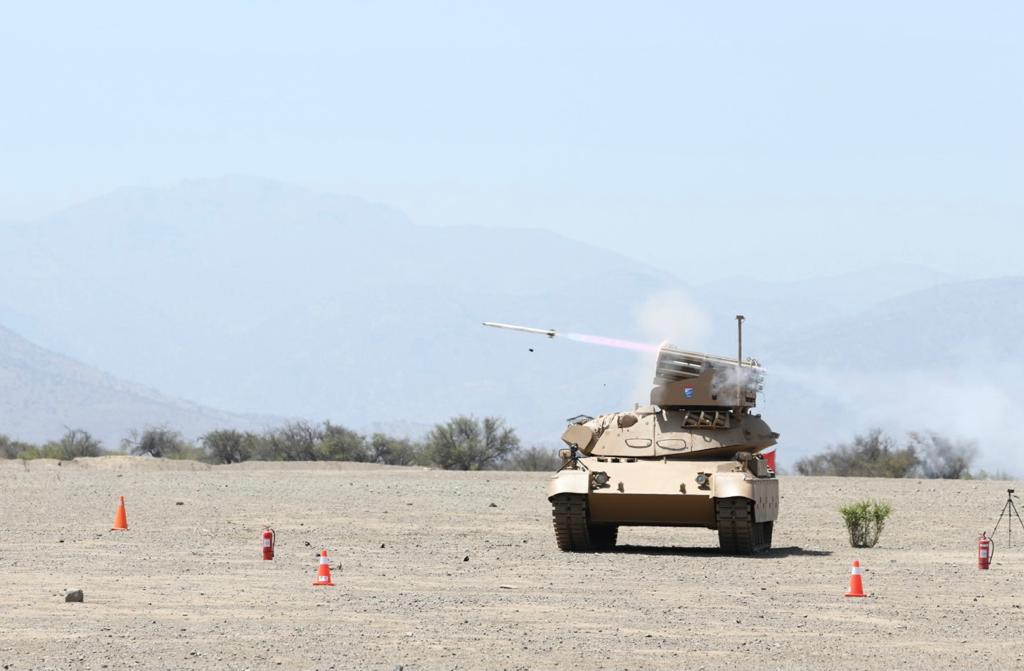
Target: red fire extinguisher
{"x": 269, "y": 538}
{"x": 985, "y": 550}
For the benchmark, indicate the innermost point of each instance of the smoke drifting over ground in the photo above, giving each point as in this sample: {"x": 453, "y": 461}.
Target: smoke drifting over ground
{"x": 814, "y": 407}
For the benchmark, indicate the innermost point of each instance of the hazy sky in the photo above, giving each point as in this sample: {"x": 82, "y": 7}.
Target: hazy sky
{"x": 775, "y": 139}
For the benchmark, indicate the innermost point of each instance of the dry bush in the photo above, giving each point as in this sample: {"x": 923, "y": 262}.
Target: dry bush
{"x": 16, "y": 449}
{"x": 161, "y": 442}
{"x": 865, "y": 521}
{"x": 534, "y": 459}
{"x": 942, "y": 457}
{"x": 876, "y": 454}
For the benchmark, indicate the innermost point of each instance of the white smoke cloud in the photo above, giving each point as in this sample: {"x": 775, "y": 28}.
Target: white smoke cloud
{"x": 671, "y": 316}
{"x": 667, "y": 317}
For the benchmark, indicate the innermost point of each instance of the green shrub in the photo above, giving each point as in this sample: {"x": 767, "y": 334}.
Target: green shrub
{"x": 385, "y": 449}
{"x": 865, "y": 521}
{"x": 468, "y": 444}
{"x": 295, "y": 441}
{"x": 340, "y": 444}
{"x": 227, "y": 446}
{"x": 74, "y": 443}
{"x": 15, "y": 449}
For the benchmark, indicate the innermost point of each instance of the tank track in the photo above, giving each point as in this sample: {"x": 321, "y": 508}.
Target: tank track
{"x": 738, "y": 533}
{"x": 573, "y": 530}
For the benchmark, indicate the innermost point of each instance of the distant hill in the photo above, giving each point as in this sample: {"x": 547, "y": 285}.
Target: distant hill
{"x": 259, "y": 297}
{"x": 946, "y": 326}
{"x": 45, "y": 392}
{"x": 790, "y": 308}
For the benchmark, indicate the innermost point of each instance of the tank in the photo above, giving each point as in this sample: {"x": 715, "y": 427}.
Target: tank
{"x": 689, "y": 459}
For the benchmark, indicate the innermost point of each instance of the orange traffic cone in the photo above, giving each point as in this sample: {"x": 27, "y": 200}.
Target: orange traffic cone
{"x": 120, "y": 518}
{"x": 323, "y": 574}
{"x": 856, "y": 585}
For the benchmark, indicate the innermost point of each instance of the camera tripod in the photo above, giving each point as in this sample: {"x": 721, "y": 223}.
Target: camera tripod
{"x": 1009, "y": 510}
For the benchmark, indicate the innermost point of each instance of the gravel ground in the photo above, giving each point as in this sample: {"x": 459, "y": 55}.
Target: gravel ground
{"x": 431, "y": 576}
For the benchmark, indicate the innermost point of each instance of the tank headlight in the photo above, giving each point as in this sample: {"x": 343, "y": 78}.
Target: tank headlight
{"x": 702, "y": 479}
{"x": 600, "y": 478}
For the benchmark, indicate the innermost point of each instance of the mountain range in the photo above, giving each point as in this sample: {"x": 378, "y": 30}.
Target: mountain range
{"x": 47, "y": 393}
{"x": 263, "y": 299}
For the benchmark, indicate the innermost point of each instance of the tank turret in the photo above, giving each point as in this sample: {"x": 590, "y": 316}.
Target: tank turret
{"x": 699, "y": 409}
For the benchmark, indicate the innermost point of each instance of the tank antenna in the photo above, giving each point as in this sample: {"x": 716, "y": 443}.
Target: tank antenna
{"x": 739, "y": 363}
{"x": 739, "y": 338}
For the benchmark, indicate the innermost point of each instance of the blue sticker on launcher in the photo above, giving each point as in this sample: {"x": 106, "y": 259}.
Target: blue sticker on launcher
{"x": 688, "y": 392}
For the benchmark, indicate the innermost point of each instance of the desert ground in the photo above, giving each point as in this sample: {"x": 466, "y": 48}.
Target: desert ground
{"x": 430, "y": 575}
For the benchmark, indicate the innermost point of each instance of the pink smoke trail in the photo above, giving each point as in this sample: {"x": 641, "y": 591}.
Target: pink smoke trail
{"x": 612, "y": 342}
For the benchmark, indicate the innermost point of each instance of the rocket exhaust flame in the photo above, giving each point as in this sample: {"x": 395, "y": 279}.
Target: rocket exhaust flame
{"x": 580, "y": 337}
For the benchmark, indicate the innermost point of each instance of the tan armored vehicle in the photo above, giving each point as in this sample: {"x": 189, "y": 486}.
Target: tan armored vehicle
{"x": 687, "y": 460}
